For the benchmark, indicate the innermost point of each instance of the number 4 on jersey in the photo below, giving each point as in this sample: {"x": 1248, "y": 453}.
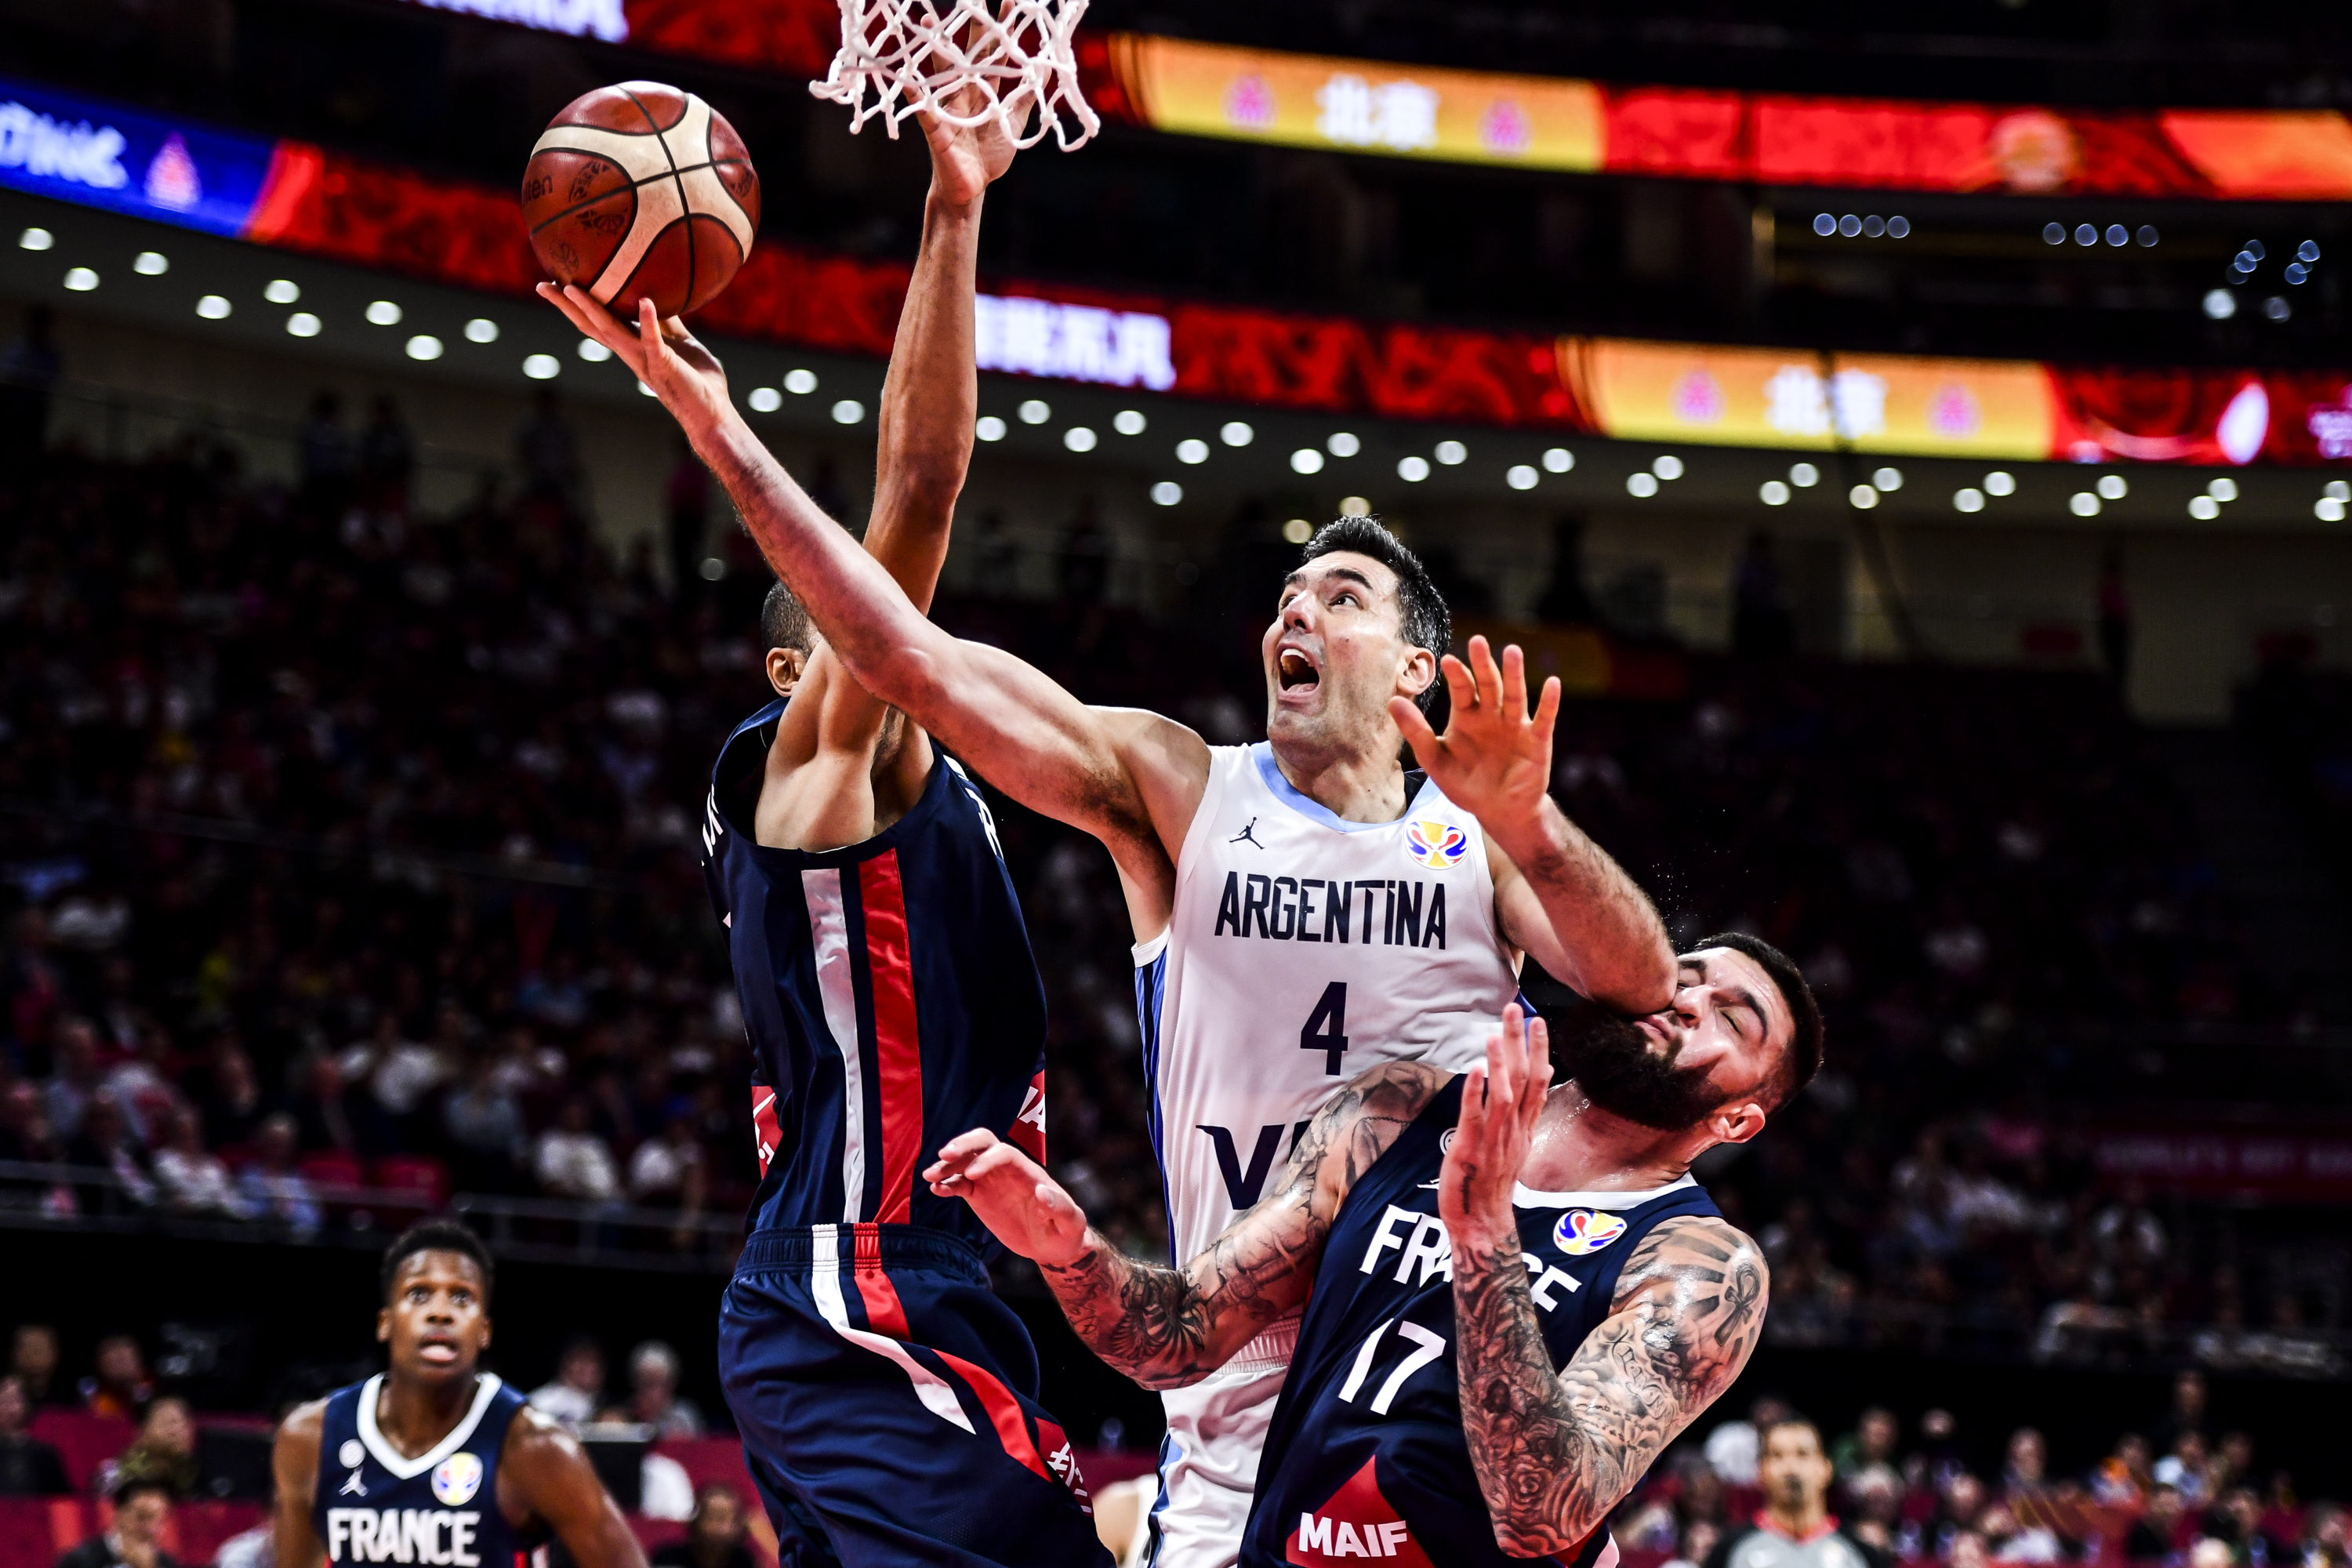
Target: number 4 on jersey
{"x": 1327, "y": 1027}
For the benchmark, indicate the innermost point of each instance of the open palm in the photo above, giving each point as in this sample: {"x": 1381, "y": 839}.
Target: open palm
{"x": 1494, "y": 759}
{"x": 965, "y": 159}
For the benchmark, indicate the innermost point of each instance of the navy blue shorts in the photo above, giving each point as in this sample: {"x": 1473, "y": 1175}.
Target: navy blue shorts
{"x": 887, "y": 1403}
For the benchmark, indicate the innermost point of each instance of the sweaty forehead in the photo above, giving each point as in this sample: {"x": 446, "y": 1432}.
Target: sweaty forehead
{"x": 1347, "y": 564}
{"x": 1729, "y": 967}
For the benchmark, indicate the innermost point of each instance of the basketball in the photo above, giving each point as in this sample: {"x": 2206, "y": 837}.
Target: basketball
{"x": 641, "y": 191}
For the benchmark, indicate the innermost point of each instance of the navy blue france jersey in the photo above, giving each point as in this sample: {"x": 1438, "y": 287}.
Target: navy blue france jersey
{"x": 889, "y": 992}
{"x": 1367, "y": 1459}
{"x": 371, "y": 1505}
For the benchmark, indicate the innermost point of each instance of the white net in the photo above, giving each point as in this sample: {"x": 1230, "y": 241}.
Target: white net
{"x": 899, "y": 57}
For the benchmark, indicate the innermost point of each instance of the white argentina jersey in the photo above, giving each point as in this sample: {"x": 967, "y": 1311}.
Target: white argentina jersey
{"x": 1302, "y": 950}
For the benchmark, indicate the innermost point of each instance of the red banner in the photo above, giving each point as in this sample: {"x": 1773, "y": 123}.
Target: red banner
{"x": 327, "y": 204}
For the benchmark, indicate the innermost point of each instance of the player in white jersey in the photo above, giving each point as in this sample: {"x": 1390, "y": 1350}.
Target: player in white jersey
{"x": 1260, "y": 992}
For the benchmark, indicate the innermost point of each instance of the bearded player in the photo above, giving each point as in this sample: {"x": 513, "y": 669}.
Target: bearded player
{"x": 1515, "y": 1296}
{"x": 891, "y": 999}
{"x": 433, "y": 1460}
{"x": 1303, "y": 908}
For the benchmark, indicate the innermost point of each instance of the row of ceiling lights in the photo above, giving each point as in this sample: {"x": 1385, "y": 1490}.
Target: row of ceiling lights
{"x": 2331, "y": 507}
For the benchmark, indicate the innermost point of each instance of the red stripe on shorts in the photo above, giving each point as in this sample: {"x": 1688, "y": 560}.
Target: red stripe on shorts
{"x": 898, "y": 1048}
{"x": 885, "y": 1313}
{"x": 1003, "y": 1412}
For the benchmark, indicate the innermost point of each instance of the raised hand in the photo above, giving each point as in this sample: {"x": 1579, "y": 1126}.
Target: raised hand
{"x": 1500, "y": 1102}
{"x": 1023, "y": 1206}
{"x": 1494, "y": 759}
{"x": 686, "y": 376}
{"x": 965, "y": 159}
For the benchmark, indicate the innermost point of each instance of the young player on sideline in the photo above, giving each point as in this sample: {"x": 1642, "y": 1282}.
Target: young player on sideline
{"x": 1519, "y": 1295}
{"x": 1303, "y": 908}
{"x": 434, "y": 1460}
{"x": 891, "y": 1000}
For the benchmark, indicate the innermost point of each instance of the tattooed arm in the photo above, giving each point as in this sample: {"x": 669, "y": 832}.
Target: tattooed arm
{"x": 1554, "y": 1455}
{"x": 1167, "y": 1327}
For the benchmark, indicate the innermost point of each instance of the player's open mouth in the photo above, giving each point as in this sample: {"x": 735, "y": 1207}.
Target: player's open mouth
{"x": 440, "y": 1352}
{"x": 1296, "y": 669}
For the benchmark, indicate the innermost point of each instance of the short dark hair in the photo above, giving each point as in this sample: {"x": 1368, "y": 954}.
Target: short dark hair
{"x": 1421, "y": 608}
{"x": 433, "y": 1235}
{"x": 783, "y": 622}
{"x": 139, "y": 1473}
{"x": 1804, "y": 1054}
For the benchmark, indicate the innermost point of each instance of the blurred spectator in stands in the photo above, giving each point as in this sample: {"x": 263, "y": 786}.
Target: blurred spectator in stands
{"x": 106, "y": 1145}
{"x": 2325, "y": 1538}
{"x": 272, "y": 1188}
{"x": 1874, "y": 1502}
{"x": 653, "y": 1399}
{"x": 1082, "y": 567}
{"x": 572, "y": 1161}
{"x": 193, "y": 1180}
{"x": 1734, "y": 1447}
{"x": 399, "y": 1075}
{"x": 2115, "y": 618}
{"x": 118, "y": 1383}
{"x": 671, "y": 1169}
{"x": 143, "y": 1517}
{"x": 2122, "y": 1478}
{"x": 28, "y": 1467}
{"x": 2187, "y": 1413}
{"x": 328, "y": 1114}
{"x": 1762, "y": 624}
{"x": 2237, "y": 1520}
{"x": 1565, "y": 600}
{"x": 1932, "y": 1464}
{"x": 547, "y": 452}
{"x": 2205, "y": 1551}
{"x": 228, "y": 1096}
{"x": 324, "y": 457}
{"x": 715, "y": 1535}
{"x": 387, "y": 463}
{"x": 1960, "y": 1505}
{"x": 28, "y": 375}
{"x": 2184, "y": 1469}
{"x": 1875, "y": 1440}
{"x": 686, "y": 504}
{"x": 571, "y": 1394}
{"x": 2155, "y": 1535}
{"x": 1968, "y": 1549}
{"x": 74, "y": 1078}
{"x": 484, "y": 1125}
{"x": 33, "y": 1362}
{"x": 165, "y": 1448}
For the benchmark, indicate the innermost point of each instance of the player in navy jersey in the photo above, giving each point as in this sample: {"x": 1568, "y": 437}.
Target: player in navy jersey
{"x": 1515, "y": 1296}
{"x": 888, "y": 1400}
{"x": 433, "y": 1460}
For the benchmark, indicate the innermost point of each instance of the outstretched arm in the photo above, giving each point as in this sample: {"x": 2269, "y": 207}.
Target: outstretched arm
{"x": 1554, "y": 1453}
{"x": 819, "y": 791}
{"x": 1131, "y": 778}
{"x": 1167, "y": 1327}
{"x": 1557, "y": 893}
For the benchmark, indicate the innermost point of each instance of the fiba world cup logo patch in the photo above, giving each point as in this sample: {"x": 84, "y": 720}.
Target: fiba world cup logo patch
{"x": 456, "y": 1479}
{"x": 1583, "y": 1231}
{"x": 1439, "y": 845}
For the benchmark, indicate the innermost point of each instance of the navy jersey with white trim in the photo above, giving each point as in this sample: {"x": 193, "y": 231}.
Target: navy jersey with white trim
{"x": 1366, "y": 1457}
{"x": 373, "y": 1504}
{"x": 889, "y": 995}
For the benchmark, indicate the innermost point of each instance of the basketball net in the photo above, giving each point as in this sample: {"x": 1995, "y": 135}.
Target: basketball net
{"x": 915, "y": 54}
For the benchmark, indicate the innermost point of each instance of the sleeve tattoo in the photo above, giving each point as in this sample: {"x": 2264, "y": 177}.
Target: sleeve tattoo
{"x": 1555, "y": 1454}
{"x": 1166, "y": 1327}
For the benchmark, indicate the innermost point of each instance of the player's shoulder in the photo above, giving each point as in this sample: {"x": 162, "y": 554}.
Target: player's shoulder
{"x": 306, "y": 1423}
{"x": 537, "y": 1443}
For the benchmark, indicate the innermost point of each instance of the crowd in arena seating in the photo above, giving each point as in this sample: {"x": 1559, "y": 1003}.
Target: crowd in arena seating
{"x": 347, "y": 850}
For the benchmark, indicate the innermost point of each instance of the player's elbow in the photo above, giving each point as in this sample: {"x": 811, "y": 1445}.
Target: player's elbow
{"x": 1527, "y": 1537}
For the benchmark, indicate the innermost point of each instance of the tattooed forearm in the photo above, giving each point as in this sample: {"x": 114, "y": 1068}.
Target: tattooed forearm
{"x": 1166, "y": 1327}
{"x": 1554, "y": 1454}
